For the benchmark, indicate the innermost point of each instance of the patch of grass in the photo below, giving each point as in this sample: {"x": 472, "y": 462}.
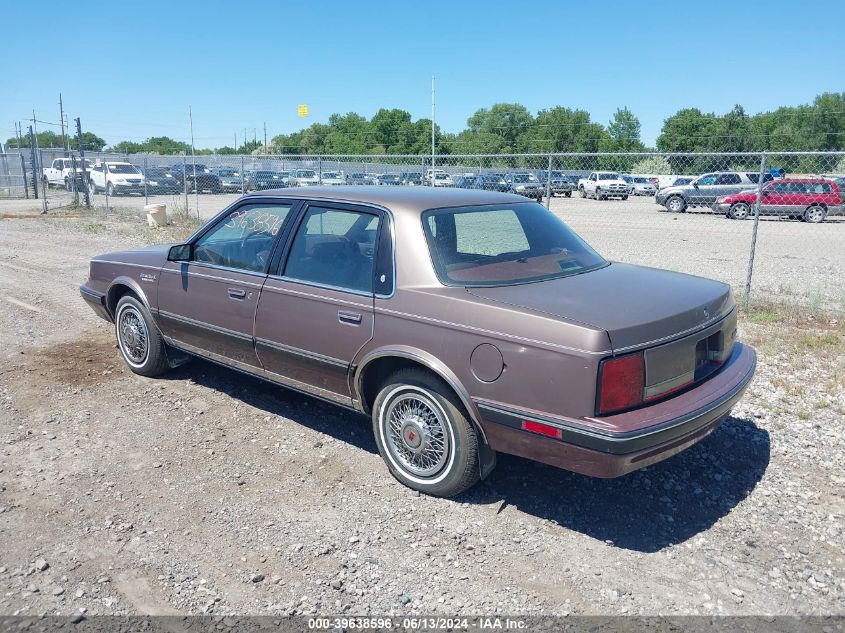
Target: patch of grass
{"x": 828, "y": 339}
{"x": 764, "y": 316}
{"x": 94, "y": 228}
{"x": 803, "y": 415}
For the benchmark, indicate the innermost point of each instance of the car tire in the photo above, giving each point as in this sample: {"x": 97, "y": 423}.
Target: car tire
{"x": 67, "y": 185}
{"x": 583, "y": 193}
{"x": 568, "y": 194}
{"x": 138, "y": 339}
{"x": 624, "y": 197}
{"x": 110, "y": 190}
{"x": 815, "y": 214}
{"x": 92, "y": 188}
{"x": 739, "y": 211}
{"x": 424, "y": 435}
{"x": 676, "y": 204}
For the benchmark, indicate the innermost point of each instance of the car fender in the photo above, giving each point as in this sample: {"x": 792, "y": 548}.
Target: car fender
{"x": 424, "y": 358}
{"x": 134, "y": 286}
{"x": 486, "y": 455}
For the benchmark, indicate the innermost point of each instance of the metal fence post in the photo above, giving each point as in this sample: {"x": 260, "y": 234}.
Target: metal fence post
{"x": 73, "y": 173}
{"x": 320, "y": 171}
{"x": 33, "y": 163}
{"x": 549, "y": 184}
{"x": 146, "y": 197}
{"x": 80, "y": 147}
{"x": 243, "y": 187}
{"x": 754, "y": 230}
{"x": 25, "y": 182}
{"x": 185, "y": 181}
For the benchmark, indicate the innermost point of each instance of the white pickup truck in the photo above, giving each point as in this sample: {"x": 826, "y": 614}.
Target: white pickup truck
{"x": 58, "y": 174}
{"x": 602, "y": 185}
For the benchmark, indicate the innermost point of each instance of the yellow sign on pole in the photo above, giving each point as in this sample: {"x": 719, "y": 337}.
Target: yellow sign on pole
{"x": 302, "y": 109}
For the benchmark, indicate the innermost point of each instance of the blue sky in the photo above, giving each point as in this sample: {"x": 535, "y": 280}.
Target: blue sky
{"x": 241, "y": 64}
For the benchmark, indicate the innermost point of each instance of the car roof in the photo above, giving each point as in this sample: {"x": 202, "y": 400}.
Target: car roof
{"x": 413, "y": 200}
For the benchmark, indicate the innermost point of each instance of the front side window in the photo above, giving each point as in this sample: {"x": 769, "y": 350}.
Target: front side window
{"x": 707, "y": 179}
{"x": 496, "y": 245}
{"x": 244, "y": 238}
{"x": 608, "y": 176}
{"x": 334, "y": 247}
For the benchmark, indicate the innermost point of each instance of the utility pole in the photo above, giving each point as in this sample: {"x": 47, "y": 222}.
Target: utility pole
{"x": 265, "y": 137}
{"x": 79, "y": 146}
{"x": 432, "y": 130}
{"x": 62, "y": 123}
{"x": 34, "y": 143}
{"x": 236, "y": 143}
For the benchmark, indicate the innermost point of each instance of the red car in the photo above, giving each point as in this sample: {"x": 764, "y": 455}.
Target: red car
{"x": 809, "y": 200}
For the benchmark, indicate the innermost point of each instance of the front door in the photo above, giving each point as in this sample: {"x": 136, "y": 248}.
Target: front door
{"x": 207, "y": 305}
{"x": 316, "y": 311}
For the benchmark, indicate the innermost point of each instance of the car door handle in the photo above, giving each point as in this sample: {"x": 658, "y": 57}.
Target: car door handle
{"x": 352, "y": 318}
{"x": 236, "y": 293}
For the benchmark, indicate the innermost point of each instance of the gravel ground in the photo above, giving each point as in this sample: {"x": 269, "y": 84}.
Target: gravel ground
{"x": 208, "y": 492}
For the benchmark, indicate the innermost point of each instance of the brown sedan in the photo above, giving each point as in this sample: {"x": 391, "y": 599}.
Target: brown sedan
{"x": 464, "y": 322}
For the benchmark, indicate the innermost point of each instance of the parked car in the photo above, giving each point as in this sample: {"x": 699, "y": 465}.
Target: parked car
{"x": 491, "y": 182}
{"x": 465, "y": 182}
{"x": 412, "y": 178}
{"x": 262, "y": 179}
{"x": 810, "y": 200}
{"x": 525, "y": 184}
{"x": 562, "y": 185}
{"x": 333, "y": 178}
{"x": 116, "y": 179}
{"x": 61, "y": 170}
{"x": 159, "y": 181}
{"x": 442, "y": 179}
{"x": 304, "y": 178}
{"x": 602, "y": 185}
{"x": 198, "y": 177}
{"x": 230, "y": 179}
{"x": 642, "y": 186}
{"x": 463, "y": 322}
{"x": 704, "y": 190}
{"x": 393, "y": 180}
{"x": 362, "y": 179}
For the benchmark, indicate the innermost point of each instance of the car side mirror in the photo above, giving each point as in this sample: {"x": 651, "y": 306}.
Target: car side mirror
{"x": 180, "y": 253}
{"x": 695, "y": 184}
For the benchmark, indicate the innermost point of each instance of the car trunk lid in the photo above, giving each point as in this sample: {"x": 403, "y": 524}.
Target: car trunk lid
{"x": 635, "y": 305}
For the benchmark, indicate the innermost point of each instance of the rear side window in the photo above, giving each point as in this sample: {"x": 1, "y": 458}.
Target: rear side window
{"x": 334, "y": 247}
{"x": 728, "y": 179}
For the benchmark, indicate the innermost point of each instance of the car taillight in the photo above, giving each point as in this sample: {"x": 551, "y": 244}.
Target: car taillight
{"x": 621, "y": 383}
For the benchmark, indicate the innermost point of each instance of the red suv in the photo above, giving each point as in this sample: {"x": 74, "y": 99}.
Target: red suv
{"x": 809, "y": 200}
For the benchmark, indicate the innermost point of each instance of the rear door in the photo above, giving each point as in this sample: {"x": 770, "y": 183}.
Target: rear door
{"x": 207, "y": 305}
{"x": 726, "y": 185}
{"x": 316, "y": 309}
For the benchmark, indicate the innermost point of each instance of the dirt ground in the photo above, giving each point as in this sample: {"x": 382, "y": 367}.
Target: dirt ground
{"x": 208, "y": 492}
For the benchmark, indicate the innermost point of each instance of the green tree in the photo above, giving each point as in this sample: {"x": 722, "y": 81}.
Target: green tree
{"x": 509, "y": 121}
{"x": 624, "y": 132}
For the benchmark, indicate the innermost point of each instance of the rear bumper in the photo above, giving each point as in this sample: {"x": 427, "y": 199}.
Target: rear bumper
{"x": 97, "y": 301}
{"x": 618, "y": 444}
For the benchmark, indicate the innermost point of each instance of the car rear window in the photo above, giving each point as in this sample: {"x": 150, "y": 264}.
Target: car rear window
{"x": 498, "y": 245}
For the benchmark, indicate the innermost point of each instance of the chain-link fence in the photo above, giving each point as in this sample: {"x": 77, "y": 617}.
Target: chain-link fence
{"x": 769, "y": 224}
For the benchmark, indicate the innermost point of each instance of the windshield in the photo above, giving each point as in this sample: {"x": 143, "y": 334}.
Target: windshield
{"x": 331, "y": 174}
{"x": 498, "y": 245}
{"x": 157, "y": 172}
{"x": 123, "y": 169}
{"x": 225, "y": 172}
{"x": 642, "y": 181}
{"x": 609, "y": 176}
{"x": 524, "y": 178}
{"x": 305, "y": 173}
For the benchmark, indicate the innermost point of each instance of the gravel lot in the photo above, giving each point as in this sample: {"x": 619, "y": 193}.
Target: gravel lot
{"x": 209, "y": 492}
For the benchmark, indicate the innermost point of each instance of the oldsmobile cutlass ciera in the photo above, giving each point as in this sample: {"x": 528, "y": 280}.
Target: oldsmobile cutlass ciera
{"x": 464, "y": 322}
